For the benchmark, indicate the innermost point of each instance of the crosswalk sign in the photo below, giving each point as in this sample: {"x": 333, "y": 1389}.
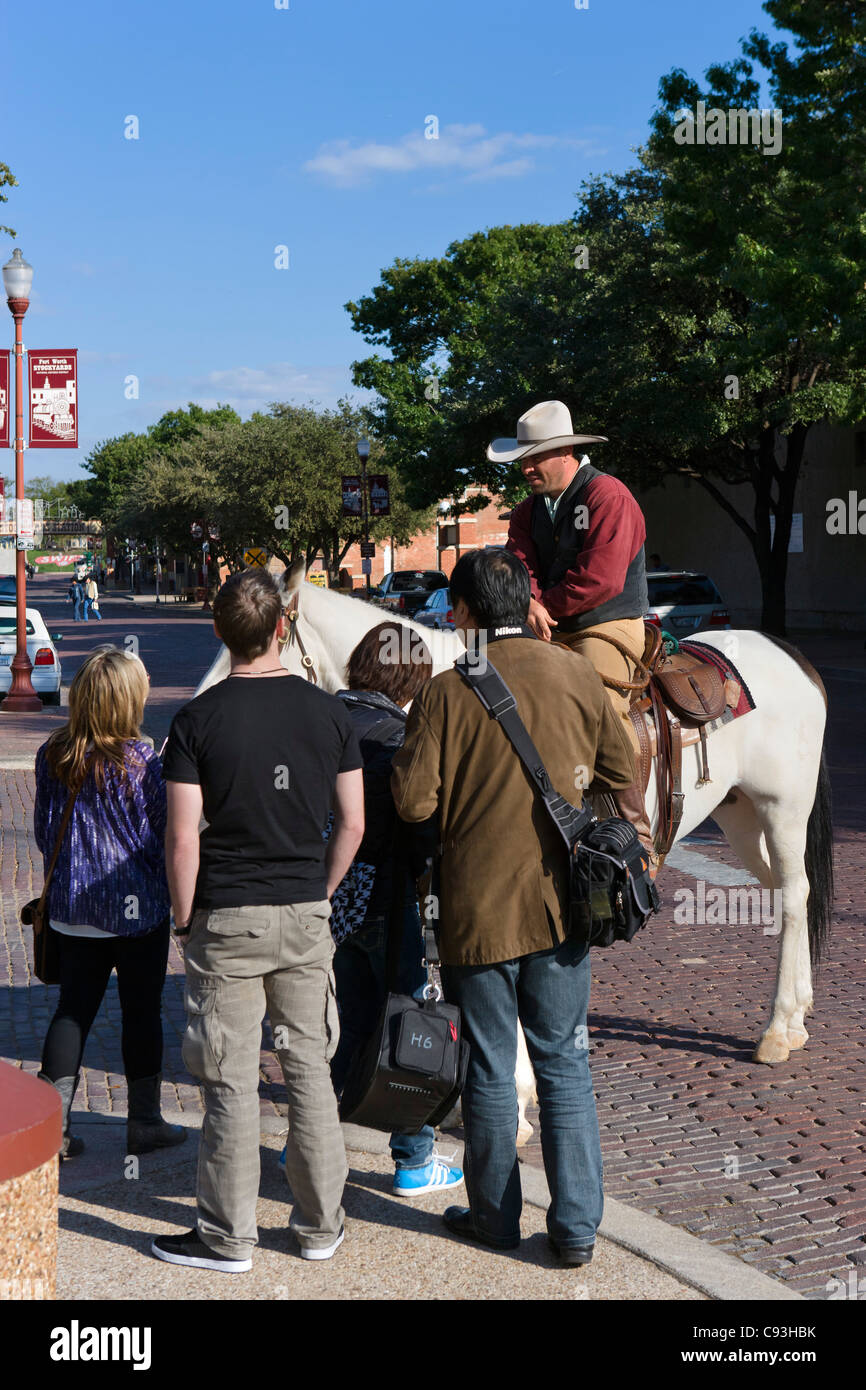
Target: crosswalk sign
{"x": 256, "y": 556}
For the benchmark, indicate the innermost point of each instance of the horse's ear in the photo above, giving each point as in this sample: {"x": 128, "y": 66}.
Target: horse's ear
{"x": 293, "y": 577}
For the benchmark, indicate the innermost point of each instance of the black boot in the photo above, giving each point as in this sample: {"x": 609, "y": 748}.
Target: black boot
{"x": 66, "y": 1087}
{"x": 146, "y": 1130}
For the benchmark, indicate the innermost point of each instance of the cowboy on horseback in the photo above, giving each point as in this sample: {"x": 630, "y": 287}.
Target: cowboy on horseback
{"x": 581, "y": 537}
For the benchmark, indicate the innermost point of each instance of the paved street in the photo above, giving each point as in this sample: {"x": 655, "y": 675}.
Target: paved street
{"x": 767, "y": 1163}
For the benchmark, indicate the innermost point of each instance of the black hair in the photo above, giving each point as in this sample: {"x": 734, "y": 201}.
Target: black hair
{"x": 494, "y": 585}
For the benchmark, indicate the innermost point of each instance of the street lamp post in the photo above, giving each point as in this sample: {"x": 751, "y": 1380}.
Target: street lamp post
{"x": 363, "y": 455}
{"x": 22, "y": 698}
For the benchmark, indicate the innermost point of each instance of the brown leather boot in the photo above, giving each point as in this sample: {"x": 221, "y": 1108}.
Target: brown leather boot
{"x": 630, "y": 805}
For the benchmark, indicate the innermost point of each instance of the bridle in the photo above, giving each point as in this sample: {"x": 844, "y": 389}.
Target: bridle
{"x": 295, "y": 636}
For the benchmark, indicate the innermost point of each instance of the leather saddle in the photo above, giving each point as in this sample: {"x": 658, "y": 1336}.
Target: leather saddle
{"x": 673, "y": 699}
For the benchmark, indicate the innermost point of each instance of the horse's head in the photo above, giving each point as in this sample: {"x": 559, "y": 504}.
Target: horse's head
{"x": 304, "y": 649}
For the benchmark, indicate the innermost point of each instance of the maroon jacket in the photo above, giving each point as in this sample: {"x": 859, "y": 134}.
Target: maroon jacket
{"x": 588, "y": 567}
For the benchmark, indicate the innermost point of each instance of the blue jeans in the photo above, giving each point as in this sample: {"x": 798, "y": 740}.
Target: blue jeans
{"x": 359, "y": 970}
{"x": 88, "y": 609}
{"x": 549, "y": 992}
{"x": 76, "y": 610}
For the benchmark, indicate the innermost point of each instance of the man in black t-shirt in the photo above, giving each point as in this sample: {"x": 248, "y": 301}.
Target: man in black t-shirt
{"x": 263, "y": 756}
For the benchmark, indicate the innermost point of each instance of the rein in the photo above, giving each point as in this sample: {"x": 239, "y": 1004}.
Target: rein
{"x": 295, "y": 636}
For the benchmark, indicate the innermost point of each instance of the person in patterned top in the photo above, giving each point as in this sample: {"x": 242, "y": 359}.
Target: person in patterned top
{"x": 108, "y": 901}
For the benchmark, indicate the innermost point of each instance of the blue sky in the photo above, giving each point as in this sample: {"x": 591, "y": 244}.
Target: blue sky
{"x": 301, "y": 127}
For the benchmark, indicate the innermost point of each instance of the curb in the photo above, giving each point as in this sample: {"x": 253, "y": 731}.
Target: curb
{"x": 18, "y": 762}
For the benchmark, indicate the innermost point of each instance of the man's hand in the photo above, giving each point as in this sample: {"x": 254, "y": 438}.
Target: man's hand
{"x": 540, "y": 620}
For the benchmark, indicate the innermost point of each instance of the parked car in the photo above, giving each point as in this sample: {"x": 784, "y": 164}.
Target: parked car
{"x": 684, "y": 602}
{"x": 437, "y": 611}
{"x": 405, "y": 591}
{"x": 8, "y": 586}
{"x": 46, "y": 673}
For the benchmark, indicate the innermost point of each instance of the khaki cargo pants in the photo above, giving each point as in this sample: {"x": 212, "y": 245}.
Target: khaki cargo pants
{"x": 240, "y": 963}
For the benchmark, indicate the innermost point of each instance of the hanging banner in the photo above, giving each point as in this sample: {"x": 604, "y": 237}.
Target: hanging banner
{"x": 380, "y": 499}
{"x": 5, "y": 400}
{"x": 353, "y": 504}
{"x": 53, "y": 378}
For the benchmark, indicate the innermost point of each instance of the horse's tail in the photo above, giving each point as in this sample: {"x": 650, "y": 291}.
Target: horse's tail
{"x": 819, "y": 865}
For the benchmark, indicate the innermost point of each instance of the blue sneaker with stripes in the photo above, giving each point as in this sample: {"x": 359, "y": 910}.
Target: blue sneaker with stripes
{"x": 412, "y": 1182}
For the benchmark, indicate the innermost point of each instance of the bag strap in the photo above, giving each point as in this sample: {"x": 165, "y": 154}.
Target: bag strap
{"x": 571, "y": 821}
{"x": 396, "y": 919}
{"x": 64, "y": 823}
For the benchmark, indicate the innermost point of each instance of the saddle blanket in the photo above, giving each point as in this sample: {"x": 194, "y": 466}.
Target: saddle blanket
{"x": 742, "y": 702}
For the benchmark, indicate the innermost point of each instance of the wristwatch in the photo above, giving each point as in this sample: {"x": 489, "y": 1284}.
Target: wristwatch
{"x": 175, "y": 929}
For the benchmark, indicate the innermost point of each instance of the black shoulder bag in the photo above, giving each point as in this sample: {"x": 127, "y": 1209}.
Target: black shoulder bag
{"x": 611, "y": 892}
{"x": 412, "y": 1070}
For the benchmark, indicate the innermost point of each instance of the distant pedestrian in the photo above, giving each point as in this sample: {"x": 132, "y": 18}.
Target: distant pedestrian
{"x": 75, "y": 594}
{"x": 263, "y": 755}
{"x": 108, "y": 900}
{"x": 91, "y": 600}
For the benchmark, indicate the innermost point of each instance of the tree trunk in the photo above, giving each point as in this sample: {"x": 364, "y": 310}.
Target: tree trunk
{"x": 773, "y": 556}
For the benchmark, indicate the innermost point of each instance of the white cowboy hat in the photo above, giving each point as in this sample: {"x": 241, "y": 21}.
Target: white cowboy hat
{"x": 544, "y": 426}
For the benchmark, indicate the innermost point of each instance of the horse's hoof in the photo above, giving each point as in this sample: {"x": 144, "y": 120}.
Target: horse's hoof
{"x": 797, "y": 1038}
{"x": 524, "y": 1133}
{"x": 772, "y": 1049}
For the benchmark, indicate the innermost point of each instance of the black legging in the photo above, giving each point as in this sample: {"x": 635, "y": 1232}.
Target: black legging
{"x": 85, "y": 967}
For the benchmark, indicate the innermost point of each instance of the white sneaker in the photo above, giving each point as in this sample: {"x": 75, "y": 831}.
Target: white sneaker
{"x": 322, "y": 1252}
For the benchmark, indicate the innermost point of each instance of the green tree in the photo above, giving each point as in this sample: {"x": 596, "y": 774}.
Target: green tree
{"x": 7, "y": 180}
{"x": 271, "y": 481}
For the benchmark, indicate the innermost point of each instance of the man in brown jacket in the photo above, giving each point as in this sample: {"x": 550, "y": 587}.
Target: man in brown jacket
{"x": 503, "y": 899}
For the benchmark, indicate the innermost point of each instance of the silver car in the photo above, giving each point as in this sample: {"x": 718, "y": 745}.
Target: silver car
{"x": 46, "y": 673}
{"x": 684, "y": 602}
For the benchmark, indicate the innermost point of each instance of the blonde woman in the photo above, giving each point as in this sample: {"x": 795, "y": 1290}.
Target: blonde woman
{"x": 108, "y": 900}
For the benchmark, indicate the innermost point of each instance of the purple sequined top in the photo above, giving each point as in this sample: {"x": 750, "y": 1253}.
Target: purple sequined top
{"x": 111, "y": 869}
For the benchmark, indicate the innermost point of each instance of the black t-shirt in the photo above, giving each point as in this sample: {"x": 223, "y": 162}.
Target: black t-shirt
{"x": 266, "y": 751}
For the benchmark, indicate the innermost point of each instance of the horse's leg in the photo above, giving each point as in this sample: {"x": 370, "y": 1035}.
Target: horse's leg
{"x": 739, "y": 823}
{"x": 785, "y": 832}
{"x": 744, "y": 832}
{"x": 524, "y": 1078}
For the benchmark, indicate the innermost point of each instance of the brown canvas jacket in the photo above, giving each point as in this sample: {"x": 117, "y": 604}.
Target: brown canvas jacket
{"x": 504, "y": 869}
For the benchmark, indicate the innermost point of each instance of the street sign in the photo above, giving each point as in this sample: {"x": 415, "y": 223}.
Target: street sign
{"x": 368, "y": 548}
{"x": 24, "y": 509}
{"x": 317, "y": 577}
{"x": 256, "y": 556}
{"x": 366, "y": 566}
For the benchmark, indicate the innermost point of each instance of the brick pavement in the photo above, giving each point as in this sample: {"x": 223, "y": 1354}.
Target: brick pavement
{"x": 674, "y": 1019}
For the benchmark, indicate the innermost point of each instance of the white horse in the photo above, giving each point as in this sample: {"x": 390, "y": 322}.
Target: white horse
{"x": 769, "y": 791}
